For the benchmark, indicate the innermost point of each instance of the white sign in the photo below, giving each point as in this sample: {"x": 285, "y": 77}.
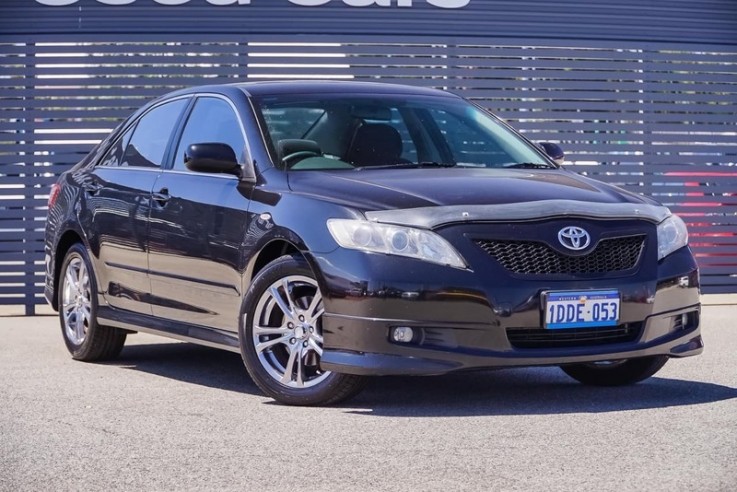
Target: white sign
{"x": 443, "y": 4}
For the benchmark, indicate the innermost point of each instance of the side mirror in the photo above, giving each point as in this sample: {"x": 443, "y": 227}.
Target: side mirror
{"x": 554, "y": 152}
{"x": 212, "y": 158}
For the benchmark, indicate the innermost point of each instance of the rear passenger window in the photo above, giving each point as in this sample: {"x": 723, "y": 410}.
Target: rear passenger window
{"x": 114, "y": 156}
{"x": 148, "y": 144}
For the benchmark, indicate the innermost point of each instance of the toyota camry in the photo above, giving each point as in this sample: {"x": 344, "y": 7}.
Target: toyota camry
{"x": 332, "y": 231}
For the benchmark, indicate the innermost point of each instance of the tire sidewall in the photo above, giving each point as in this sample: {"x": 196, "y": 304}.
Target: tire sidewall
{"x": 78, "y": 351}
{"x": 631, "y": 371}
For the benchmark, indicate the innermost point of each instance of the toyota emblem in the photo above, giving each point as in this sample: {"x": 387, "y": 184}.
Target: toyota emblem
{"x": 574, "y": 238}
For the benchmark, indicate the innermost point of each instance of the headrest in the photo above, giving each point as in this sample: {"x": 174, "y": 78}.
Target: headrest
{"x": 375, "y": 144}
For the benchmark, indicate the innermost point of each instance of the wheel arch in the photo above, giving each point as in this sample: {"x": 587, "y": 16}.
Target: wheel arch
{"x": 66, "y": 241}
{"x": 277, "y": 248}
{"x": 270, "y": 252}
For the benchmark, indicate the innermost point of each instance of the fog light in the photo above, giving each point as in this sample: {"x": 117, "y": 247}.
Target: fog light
{"x": 402, "y": 334}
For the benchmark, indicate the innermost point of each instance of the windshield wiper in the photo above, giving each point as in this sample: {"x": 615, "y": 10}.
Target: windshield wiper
{"x": 527, "y": 165}
{"x": 409, "y": 165}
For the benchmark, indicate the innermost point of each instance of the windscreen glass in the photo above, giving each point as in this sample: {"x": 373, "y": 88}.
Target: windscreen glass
{"x": 336, "y": 131}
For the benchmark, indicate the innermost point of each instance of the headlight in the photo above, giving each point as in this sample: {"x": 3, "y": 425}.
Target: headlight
{"x": 394, "y": 240}
{"x": 672, "y": 235}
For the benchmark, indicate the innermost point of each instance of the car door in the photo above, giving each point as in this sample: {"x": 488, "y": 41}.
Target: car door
{"x": 118, "y": 193}
{"x": 198, "y": 224}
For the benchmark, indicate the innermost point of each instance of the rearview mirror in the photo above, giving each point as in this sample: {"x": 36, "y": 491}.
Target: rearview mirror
{"x": 554, "y": 152}
{"x": 211, "y": 158}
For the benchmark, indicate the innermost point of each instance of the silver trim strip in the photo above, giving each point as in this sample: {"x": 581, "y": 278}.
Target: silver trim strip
{"x": 209, "y": 175}
{"x": 131, "y": 168}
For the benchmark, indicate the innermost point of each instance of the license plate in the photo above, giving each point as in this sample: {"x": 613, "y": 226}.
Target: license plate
{"x": 585, "y": 309}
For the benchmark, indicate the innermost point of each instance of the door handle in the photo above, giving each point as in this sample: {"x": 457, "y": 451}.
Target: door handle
{"x": 162, "y": 196}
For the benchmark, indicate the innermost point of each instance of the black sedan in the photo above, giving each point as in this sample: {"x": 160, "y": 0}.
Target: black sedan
{"x": 329, "y": 231}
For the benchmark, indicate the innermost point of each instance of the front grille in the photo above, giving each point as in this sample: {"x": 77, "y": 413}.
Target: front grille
{"x": 535, "y": 258}
{"x": 572, "y": 337}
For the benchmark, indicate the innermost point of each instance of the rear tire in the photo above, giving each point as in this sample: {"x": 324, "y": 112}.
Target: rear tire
{"x": 616, "y": 373}
{"x": 281, "y": 337}
{"x": 85, "y": 339}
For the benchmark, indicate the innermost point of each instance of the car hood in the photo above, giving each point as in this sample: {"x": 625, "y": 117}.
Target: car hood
{"x": 470, "y": 192}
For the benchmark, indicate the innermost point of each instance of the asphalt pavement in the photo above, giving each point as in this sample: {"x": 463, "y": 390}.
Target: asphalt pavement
{"x": 174, "y": 416}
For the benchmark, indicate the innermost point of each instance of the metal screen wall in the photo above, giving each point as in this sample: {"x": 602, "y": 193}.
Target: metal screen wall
{"x": 656, "y": 118}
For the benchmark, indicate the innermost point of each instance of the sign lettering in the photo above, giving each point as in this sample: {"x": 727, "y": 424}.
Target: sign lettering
{"x": 443, "y": 4}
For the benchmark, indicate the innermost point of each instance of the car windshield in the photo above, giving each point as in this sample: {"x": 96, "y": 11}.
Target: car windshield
{"x": 357, "y": 132}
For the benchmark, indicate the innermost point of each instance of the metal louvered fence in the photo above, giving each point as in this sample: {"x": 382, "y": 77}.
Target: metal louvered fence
{"x": 655, "y": 118}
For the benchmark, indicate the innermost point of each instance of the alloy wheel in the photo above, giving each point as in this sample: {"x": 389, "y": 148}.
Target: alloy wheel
{"x": 76, "y": 301}
{"x": 287, "y": 332}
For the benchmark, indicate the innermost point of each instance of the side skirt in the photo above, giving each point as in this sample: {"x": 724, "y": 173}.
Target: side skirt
{"x": 200, "y": 335}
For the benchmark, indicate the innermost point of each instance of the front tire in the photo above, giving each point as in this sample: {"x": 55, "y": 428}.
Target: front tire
{"x": 281, "y": 337}
{"x": 616, "y": 373}
{"x": 85, "y": 339}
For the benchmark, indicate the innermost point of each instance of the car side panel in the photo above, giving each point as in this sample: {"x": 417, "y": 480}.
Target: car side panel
{"x": 195, "y": 248}
{"x": 114, "y": 214}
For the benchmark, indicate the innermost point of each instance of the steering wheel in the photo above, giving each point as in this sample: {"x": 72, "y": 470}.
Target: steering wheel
{"x": 298, "y": 156}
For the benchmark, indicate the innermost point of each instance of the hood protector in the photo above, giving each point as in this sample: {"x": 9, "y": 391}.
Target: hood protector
{"x": 432, "y": 217}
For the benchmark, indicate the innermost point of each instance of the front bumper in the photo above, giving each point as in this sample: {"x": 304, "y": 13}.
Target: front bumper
{"x": 376, "y": 355}
{"x": 464, "y": 323}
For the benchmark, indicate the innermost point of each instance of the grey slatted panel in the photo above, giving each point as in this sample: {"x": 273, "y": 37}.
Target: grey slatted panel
{"x": 659, "y": 118}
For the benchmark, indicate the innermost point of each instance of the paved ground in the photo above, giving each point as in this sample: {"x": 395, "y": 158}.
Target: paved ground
{"x": 173, "y": 416}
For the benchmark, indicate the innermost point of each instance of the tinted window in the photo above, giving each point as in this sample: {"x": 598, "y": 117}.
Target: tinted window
{"x": 148, "y": 144}
{"x": 114, "y": 156}
{"x": 211, "y": 121}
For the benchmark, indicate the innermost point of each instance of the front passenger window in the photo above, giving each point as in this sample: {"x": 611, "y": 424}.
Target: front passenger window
{"x": 212, "y": 120}
{"x": 151, "y": 137}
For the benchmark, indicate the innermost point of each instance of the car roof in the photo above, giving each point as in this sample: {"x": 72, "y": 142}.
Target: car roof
{"x": 313, "y": 87}
{"x": 335, "y": 86}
